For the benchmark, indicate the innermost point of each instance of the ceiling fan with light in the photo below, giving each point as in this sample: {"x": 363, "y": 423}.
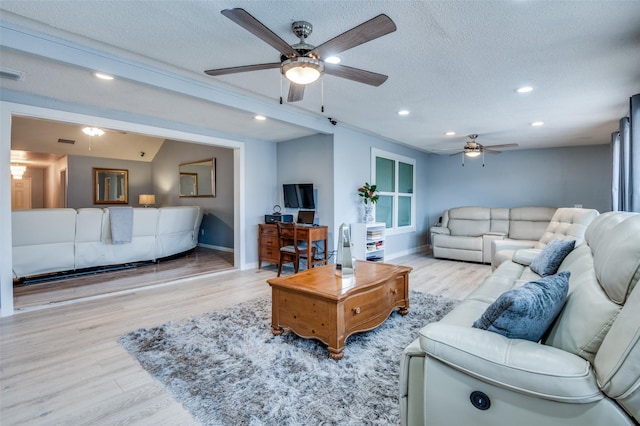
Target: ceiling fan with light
{"x": 473, "y": 149}
{"x": 303, "y": 63}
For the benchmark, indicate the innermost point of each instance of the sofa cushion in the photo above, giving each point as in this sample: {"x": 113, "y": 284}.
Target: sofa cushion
{"x": 529, "y": 223}
{"x": 551, "y": 256}
{"x": 568, "y": 223}
{"x": 469, "y": 221}
{"x": 526, "y": 312}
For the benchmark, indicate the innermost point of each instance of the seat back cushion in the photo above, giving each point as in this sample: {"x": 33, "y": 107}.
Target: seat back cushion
{"x": 568, "y": 224}
{"x": 469, "y": 221}
{"x": 43, "y": 241}
{"x": 500, "y": 220}
{"x": 529, "y": 223}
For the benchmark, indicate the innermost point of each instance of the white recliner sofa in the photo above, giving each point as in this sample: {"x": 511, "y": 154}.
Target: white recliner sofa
{"x": 56, "y": 240}
{"x": 584, "y": 371}
{"x": 466, "y": 233}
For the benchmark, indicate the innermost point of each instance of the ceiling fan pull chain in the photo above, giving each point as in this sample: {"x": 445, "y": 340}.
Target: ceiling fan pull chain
{"x": 322, "y": 94}
{"x": 463, "y": 159}
{"x": 281, "y": 89}
{"x": 483, "y": 158}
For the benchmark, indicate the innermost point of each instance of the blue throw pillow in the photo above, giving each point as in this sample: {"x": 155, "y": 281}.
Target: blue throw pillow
{"x": 527, "y": 312}
{"x": 550, "y": 258}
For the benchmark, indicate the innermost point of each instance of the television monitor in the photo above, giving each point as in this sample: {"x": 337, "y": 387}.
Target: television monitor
{"x": 290, "y": 195}
{"x": 305, "y": 191}
{"x": 299, "y": 196}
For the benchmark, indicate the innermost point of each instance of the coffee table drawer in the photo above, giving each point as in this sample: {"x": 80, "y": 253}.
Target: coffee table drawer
{"x": 369, "y": 309}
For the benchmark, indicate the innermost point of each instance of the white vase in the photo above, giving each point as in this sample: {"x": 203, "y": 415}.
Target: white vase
{"x": 368, "y": 213}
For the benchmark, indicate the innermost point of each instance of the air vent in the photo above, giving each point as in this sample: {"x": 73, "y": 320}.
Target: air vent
{"x": 69, "y": 141}
{"x": 11, "y": 74}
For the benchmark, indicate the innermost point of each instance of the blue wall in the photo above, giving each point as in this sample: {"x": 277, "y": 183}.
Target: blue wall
{"x": 560, "y": 177}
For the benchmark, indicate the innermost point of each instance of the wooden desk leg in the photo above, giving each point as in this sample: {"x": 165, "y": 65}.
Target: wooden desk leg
{"x": 326, "y": 254}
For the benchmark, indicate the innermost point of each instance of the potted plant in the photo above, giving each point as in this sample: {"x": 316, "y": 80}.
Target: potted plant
{"x": 370, "y": 196}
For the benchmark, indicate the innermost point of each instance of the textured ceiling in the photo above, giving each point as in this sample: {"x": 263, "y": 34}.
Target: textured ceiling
{"x": 454, "y": 64}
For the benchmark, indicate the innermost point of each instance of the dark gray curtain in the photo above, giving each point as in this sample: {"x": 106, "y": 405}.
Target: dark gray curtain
{"x": 625, "y": 150}
{"x": 634, "y": 155}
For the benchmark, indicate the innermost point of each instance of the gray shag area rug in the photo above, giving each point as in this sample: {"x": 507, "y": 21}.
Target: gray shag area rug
{"x": 227, "y": 368}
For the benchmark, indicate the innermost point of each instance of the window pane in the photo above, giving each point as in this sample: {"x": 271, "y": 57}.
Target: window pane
{"x": 384, "y": 210}
{"x": 385, "y": 174}
{"x": 405, "y": 178}
{"x": 404, "y": 211}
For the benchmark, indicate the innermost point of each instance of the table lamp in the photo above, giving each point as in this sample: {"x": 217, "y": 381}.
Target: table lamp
{"x": 147, "y": 199}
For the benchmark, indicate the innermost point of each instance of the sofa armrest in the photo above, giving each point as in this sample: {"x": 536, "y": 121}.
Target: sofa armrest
{"x": 525, "y": 256}
{"x": 440, "y": 230}
{"x": 520, "y": 365}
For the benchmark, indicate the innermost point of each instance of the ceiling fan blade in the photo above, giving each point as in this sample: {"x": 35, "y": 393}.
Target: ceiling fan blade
{"x": 296, "y": 92}
{"x": 245, "y": 68}
{"x": 257, "y": 28}
{"x": 506, "y": 145}
{"x": 367, "y": 31}
{"x": 355, "y": 74}
{"x": 490, "y": 151}
{"x": 456, "y": 153}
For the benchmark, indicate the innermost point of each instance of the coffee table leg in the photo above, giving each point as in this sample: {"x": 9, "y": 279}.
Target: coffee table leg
{"x": 277, "y": 331}
{"x": 336, "y": 354}
{"x": 404, "y": 310}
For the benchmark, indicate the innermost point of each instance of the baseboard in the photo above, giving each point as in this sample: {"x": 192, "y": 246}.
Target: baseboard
{"x": 212, "y": 247}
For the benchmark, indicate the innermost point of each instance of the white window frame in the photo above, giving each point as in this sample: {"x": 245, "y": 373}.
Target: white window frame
{"x": 395, "y": 229}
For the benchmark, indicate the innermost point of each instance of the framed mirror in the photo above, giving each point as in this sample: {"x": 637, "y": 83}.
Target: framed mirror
{"x": 198, "y": 179}
{"x": 110, "y": 186}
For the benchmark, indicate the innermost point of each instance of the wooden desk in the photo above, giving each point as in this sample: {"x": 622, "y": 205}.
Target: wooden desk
{"x": 269, "y": 246}
{"x": 320, "y": 305}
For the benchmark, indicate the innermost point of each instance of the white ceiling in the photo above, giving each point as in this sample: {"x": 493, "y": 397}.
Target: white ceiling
{"x": 454, "y": 64}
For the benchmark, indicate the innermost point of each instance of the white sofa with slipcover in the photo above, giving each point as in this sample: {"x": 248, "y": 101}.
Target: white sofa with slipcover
{"x": 57, "y": 240}
{"x": 585, "y": 370}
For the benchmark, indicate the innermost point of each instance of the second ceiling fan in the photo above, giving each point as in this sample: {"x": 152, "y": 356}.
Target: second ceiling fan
{"x": 474, "y": 149}
{"x": 303, "y": 63}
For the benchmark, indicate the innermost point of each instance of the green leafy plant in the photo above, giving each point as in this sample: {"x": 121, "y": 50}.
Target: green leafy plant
{"x": 369, "y": 193}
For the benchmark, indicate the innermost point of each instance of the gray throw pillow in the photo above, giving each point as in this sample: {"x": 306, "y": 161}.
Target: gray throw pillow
{"x": 551, "y": 256}
{"x": 528, "y": 311}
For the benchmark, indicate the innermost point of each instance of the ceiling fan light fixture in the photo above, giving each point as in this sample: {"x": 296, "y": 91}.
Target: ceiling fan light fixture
{"x": 472, "y": 154}
{"x": 93, "y": 131}
{"x": 302, "y": 70}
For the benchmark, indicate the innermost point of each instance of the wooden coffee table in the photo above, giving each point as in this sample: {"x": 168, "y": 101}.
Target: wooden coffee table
{"x": 318, "y": 304}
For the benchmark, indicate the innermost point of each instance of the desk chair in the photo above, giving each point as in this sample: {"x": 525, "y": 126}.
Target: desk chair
{"x": 291, "y": 249}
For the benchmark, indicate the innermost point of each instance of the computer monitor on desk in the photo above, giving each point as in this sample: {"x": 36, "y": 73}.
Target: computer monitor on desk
{"x": 306, "y": 217}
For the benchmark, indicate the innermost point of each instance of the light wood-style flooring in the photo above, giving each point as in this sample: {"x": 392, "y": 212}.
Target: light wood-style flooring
{"x": 60, "y": 289}
{"x": 63, "y": 365}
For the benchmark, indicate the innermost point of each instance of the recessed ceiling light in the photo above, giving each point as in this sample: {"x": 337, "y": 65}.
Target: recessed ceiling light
{"x": 524, "y": 89}
{"x": 260, "y": 117}
{"x": 404, "y": 112}
{"x": 103, "y": 76}
{"x": 537, "y": 123}
{"x": 332, "y": 60}
{"x": 450, "y": 133}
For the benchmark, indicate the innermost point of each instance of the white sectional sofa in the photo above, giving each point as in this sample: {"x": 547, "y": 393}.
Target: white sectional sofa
{"x": 584, "y": 370}
{"x": 466, "y": 233}
{"x": 56, "y": 240}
